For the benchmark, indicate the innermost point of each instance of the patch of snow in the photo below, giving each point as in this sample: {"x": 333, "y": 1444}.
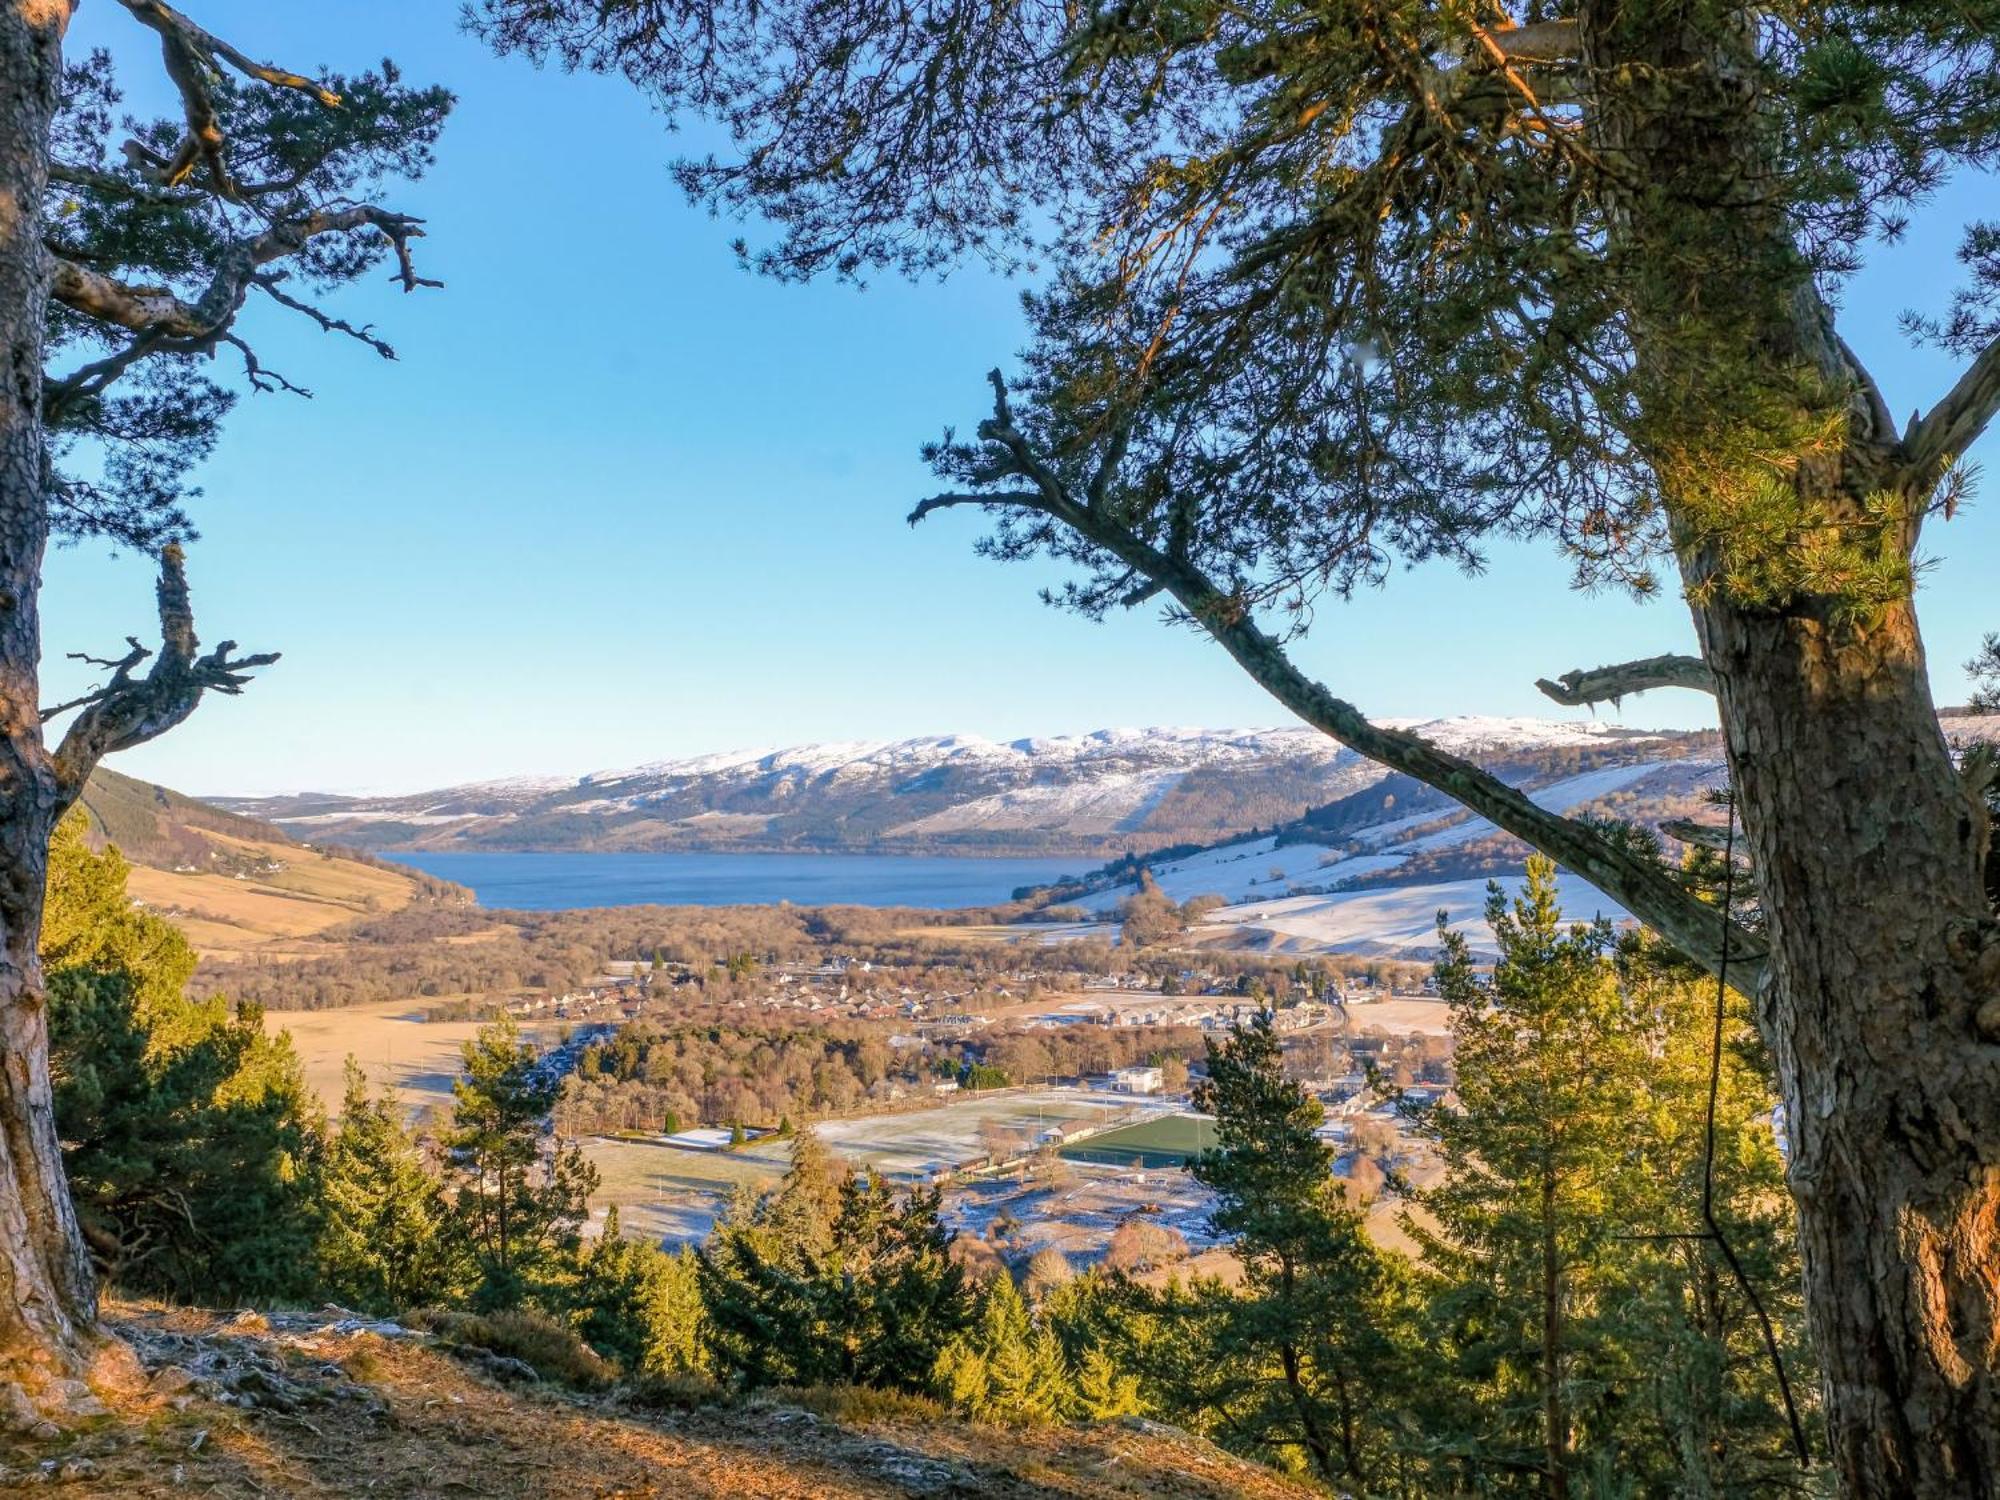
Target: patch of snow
{"x": 1558, "y": 796}
{"x": 1085, "y": 807}
{"x": 1401, "y": 920}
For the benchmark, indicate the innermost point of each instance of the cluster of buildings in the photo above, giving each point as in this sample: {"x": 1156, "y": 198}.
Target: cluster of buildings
{"x": 1202, "y": 1012}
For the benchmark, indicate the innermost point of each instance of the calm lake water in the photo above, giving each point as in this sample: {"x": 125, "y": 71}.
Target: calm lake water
{"x": 560, "y": 882}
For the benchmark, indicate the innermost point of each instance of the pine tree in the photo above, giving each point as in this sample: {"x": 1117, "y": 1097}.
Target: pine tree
{"x": 1573, "y": 1338}
{"x": 640, "y": 1306}
{"x": 388, "y": 1244}
{"x": 520, "y": 1208}
{"x": 834, "y": 1278}
{"x": 131, "y": 244}
{"x": 1311, "y": 1368}
{"x": 190, "y": 1141}
{"x": 1006, "y": 1367}
{"x": 1715, "y": 1422}
{"x": 1101, "y": 1391}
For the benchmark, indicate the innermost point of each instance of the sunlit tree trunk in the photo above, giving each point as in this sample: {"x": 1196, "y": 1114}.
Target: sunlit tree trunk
{"x": 1884, "y": 954}
{"x": 47, "y": 1300}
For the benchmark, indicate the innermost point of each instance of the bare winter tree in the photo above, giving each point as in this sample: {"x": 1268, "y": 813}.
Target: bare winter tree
{"x": 1335, "y": 286}
{"x": 128, "y": 248}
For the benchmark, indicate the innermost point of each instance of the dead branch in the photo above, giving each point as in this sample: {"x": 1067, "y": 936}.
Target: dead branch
{"x": 192, "y": 57}
{"x": 1582, "y": 689}
{"x": 261, "y": 377}
{"x": 1641, "y": 886}
{"x": 1690, "y": 832}
{"x": 1538, "y": 41}
{"x": 129, "y": 710}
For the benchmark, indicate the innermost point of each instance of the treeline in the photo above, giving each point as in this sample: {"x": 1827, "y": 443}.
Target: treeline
{"x": 450, "y": 950}
{"x": 717, "y": 1070}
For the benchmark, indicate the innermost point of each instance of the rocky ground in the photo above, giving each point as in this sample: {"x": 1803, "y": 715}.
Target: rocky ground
{"x": 330, "y": 1405}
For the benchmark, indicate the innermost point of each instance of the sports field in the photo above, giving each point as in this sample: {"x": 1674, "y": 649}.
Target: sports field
{"x": 666, "y": 1193}
{"x": 1163, "y": 1141}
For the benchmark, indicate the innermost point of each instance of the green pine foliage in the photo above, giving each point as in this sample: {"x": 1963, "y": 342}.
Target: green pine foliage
{"x": 1571, "y": 1337}
{"x": 389, "y": 1242}
{"x": 1309, "y": 1366}
{"x": 133, "y": 411}
{"x": 1006, "y": 1367}
{"x": 190, "y": 1140}
{"x": 522, "y": 1210}
{"x": 640, "y": 1306}
{"x": 833, "y": 1279}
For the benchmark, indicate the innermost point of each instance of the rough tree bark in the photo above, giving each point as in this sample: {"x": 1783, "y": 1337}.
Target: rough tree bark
{"x": 48, "y": 1305}
{"x": 51, "y": 1346}
{"x": 1883, "y": 954}
{"x": 1884, "y": 958}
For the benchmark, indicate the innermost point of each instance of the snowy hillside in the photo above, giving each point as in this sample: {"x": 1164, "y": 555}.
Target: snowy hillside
{"x": 1098, "y": 793}
{"x": 1314, "y": 897}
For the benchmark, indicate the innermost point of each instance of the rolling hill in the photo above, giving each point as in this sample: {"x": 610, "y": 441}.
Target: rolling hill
{"x": 1101, "y": 793}
{"x": 236, "y": 884}
{"x": 1369, "y": 872}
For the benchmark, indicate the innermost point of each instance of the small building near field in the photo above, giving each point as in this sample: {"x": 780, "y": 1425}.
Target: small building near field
{"x": 1137, "y": 1080}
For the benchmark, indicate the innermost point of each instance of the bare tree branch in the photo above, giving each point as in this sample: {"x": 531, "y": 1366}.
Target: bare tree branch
{"x": 1956, "y": 422}
{"x": 165, "y": 19}
{"x": 129, "y": 710}
{"x": 268, "y": 284}
{"x": 1640, "y": 886}
{"x": 1580, "y": 689}
{"x": 192, "y": 57}
{"x": 1539, "y": 41}
{"x": 1690, "y": 832}
{"x": 260, "y": 377}
{"x": 164, "y": 320}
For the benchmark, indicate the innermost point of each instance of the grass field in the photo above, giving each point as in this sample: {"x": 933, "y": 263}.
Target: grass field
{"x": 921, "y": 1143}
{"x": 668, "y": 1193}
{"x": 393, "y": 1043}
{"x": 225, "y": 917}
{"x": 1163, "y": 1141}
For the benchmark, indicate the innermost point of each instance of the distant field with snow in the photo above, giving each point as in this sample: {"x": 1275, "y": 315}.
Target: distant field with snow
{"x": 1398, "y": 922}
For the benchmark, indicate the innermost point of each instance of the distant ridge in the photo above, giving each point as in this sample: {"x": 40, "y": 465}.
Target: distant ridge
{"x": 1089, "y": 794}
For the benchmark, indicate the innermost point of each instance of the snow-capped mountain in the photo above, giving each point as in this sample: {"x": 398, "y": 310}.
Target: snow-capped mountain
{"x": 1113, "y": 790}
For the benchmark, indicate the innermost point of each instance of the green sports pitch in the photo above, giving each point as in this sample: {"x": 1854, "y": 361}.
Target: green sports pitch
{"x": 1165, "y": 1141}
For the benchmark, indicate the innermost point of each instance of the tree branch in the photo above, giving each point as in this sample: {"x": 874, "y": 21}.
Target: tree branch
{"x": 130, "y": 710}
{"x": 1538, "y": 41}
{"x": 1956, "y": 422}
{"x": 112, "y": 184}
{"x": 1581, "y": 689}
{"x": 192, "y": 56}
{"x": 268, "y": 284}
{"x": 1690, "y": 832}
{"x": 1642, "y": 887}
{"x": 158, "y": 315}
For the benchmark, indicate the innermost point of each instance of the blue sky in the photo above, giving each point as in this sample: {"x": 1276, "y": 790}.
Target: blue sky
{"x": 620, "y": 500}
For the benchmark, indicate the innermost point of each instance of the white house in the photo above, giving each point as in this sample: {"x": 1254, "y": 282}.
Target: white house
{"x": 1137, "y": 1080}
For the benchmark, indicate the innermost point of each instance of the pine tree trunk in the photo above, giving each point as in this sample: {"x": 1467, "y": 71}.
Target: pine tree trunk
{"x": 1770, "y": 442}
{"x": 1884, "y": 950}
{"x": 48, "y": 1309}
{"x": 1555, "y": 1421}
